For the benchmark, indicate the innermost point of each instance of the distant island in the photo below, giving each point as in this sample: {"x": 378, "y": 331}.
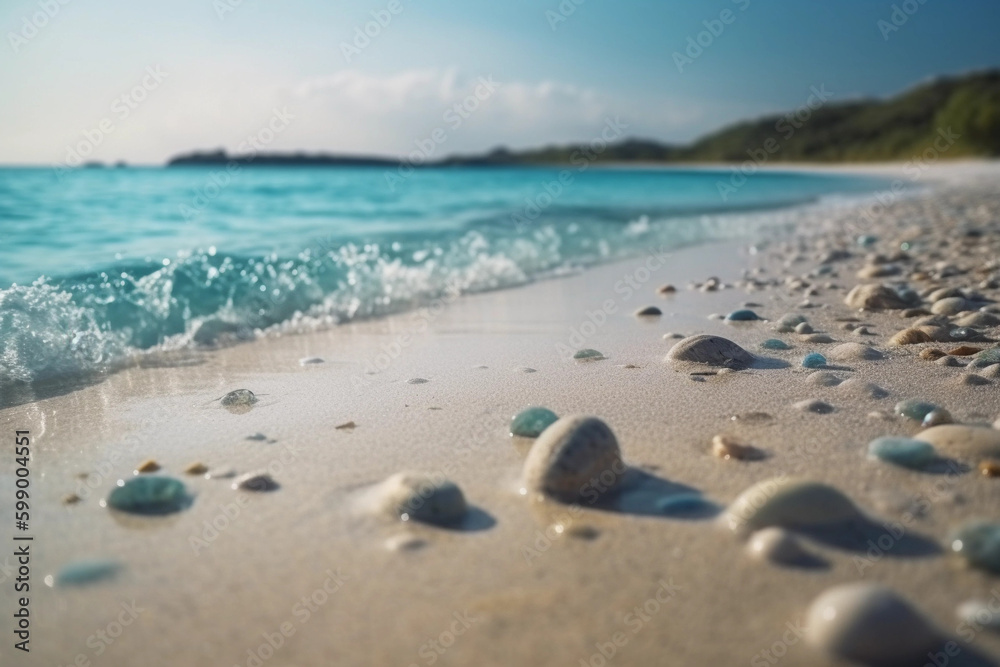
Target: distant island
{"x": 962, "y": 111}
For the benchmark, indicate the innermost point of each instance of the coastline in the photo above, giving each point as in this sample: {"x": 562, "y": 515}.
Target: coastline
{"x": 520, "y": 593}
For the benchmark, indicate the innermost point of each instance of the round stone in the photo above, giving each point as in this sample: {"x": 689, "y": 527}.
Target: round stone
{"x": 776, "y": 545}
{"x": 648, "y": 311}
{"x": 149, "y": 494}
{"x": 869, "y": 624}
{"x": 709, "y": 350}
{"x": 855, "y": 352}
{"x": 588, "y": 354}
{"x": 240, "y": 398}
{"x": 84, "y": 572}
{"x": 419, "y": 497}
{"x": 530, "y": 422}
{"x": 914, "y": 409}
{"x": 576, "y": 457}
{"x": 775, "y": 344}
{"x": 966, "y": 442}
{"x": 978, "y": 544}
{"x": 743, "y": 315}
{"x": 904, "y": 452}
{"x": 789, "y": 503}
{"x": 813, "y": 360}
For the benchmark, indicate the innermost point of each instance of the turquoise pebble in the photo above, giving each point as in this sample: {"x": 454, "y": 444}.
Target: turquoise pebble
{"x": 683, "y": 503}
{"x": 86, "y": 572}
{"x": 986, "y": 358}
{"x": 905, "y": 452}
{"x": 588, "y": 353}
{"x": 866, "y": 240}
{"x": 914, "y": 409}
{"x": 742, "y": 316}
{"x": 530, "y": 422}
{"x": 775, "y": 344}
{"x": 149, "y": 494}
{"x": 978, "y": 543}
{"x": 814, "y": 360}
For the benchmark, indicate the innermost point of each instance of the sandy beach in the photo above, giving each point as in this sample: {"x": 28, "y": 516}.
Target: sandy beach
{"x": 308, "y": 573}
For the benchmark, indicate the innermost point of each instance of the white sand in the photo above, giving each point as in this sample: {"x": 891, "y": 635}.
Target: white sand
{"x": 527, "y": 599}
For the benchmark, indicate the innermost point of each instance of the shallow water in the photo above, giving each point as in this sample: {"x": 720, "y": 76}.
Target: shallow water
{"x": 106, "y": 262}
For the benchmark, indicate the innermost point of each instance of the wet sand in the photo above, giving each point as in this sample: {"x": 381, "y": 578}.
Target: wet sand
{"x": 306, "y": 568}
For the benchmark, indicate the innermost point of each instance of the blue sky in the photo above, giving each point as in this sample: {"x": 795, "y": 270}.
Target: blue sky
{"x": 223, "y": 73}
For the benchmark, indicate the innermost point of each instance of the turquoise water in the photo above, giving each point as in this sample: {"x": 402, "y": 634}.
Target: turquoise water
{"x": 104, "y": 263}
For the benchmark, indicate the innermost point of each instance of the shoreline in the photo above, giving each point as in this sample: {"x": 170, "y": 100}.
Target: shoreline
{"x": 395, "y": 588}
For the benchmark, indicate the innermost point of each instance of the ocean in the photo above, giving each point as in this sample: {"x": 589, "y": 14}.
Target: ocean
{"x": 103, "y": 264}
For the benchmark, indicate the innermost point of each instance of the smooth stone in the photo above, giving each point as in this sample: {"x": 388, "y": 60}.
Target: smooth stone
{"x": 255, "y": 481}
{"x": 743, "y": 315}
{"x": 937, "y": 417}
{"x": 777, "y": 546}
{"x": 308, "y": 361}
{"x": 952, "y": 305}
{"x": 978, "y": 319}
{"x": 775, "y": 344}
{"x": 417, "y": 381}
{"x": 973, "y": 380}
{"x": 530, "y": 422}
{"x": 569, "y": 454}
{"x": 813, "y": 405}
{"x": 196, "y": 468}
{"x": 987, "y": 358}
{"x": 977, "y": 543}
{"x": 789, "y": 503}
{"x": 710, "y": 350}
{"x": 83, "y": 572}
{"x": 149, "y": 494}
{"x": 861, "y": 388}
{"x": 904, "y": 452}
{"x": 672, "y": 335}
{"x": 874, "y": 297}
{"x": 824, "y": 379}
{"x": 813, "y": 360}
{"x": 817, "y": 338}
{"x": 870, "y": 624}
{"x": 420, "y": 497}
{"x": 588, "y": 354}
{"x": 910, "y": 336}
{"x": 803, "y": 328}
{"x": 648, "y": 311}
{"x": 992, "y": 372}
{"x": 854, "y": 352}
{"x": 964, "y": 334}
{"x": 790, "y": 321}
{"x": 239, "y": 398}
{"x": 949, "y": 361}
{"x": 914, "y": 409}
{"x": 862, "y": 331}
{"x": 973, "y": 442}
{"x": 867, "y": 240}
{"x": 932, "y": 354}
{"x": 147, "y": 466}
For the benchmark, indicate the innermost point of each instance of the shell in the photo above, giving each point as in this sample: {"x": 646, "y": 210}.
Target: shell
{"x": 910, "y": 337}
{"x": 710, "y": 350}
{"x": 421, "y": 497}
{"x": 569, "y": 455}
{"x": 871, "y": 625}
{"x": 854, "y": 352}
{"x": 789, "y": 503}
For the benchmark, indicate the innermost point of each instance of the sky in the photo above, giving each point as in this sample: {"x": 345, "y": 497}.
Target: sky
{"x": 113, "y": 80}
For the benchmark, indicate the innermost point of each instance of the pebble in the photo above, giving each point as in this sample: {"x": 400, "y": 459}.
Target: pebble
{"x": 777, "y": 546}
{"x": 225, "y": 473}
{"x": 989, "y": 468}
{"x": 727, "y": 448}
{"x": 936, "y": 417}
{"x": 987, "y": 358}
{"x": 587, "y": 354}
{"x": 973, "y": 380}
{"x": 903, "y": 452}
{"x": 978, "y": 613}
{"x": 813, "y": 360}
{"x": 965, "y": 334}
{"x": 775, "y": 344}
{"x": 910, "y": 336}
{"x": 84, "y": 572}
{"x": 147, "y": 466}
{"x": 666, "y": 289}
{"x": 817, "y": 338}
{"x": 824, "y": 379}
{"x": 71, "y": 499}
{"x": 815, "y": 406}
{"x": 405, "y": 543}
{"x": 803, "y": 328}
{"x": 862, "y": 331}
{"x": 744, "y": 315}
{"x": 684, "y": 504}
{"x": 977, "y": 544}
{"x": 240, "y": 398}
{"x": 862, "y": 389}
{"x": 346, "y": 426}
{"x": 258, "y": 437}
{"x": 255, "y": 481}
{"x": 991, "y": 371}
{"x": 870, "y": 624}
{"x": 789, "y": 503}
{"x": 196, "y": 469}
{"x": 974, "y": 442}
{"x": 308, "y": 361}
{"x": 952, "y": 305}
{"x": 932, "y": 354}
{"x": 530, "y": 422}
{"x": 874, "y": 297}
{"x": 948, "y": 361}
{"x": 148, "y": 494}
{"x": 854, "y": 352}
{"x": 914, "y": 409}
{"x": 710, "y": 350}
{"x": 417, "y": 381}
{"x": 978, "y": 319}
{"x": 788, "y": 322}
{"x": 420, "y": 497}
{"x": 964, "y": 351}
{"x": 648, "y": 311}
{"x": 569, "y": 454}
{"x": 671, "y": 335}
